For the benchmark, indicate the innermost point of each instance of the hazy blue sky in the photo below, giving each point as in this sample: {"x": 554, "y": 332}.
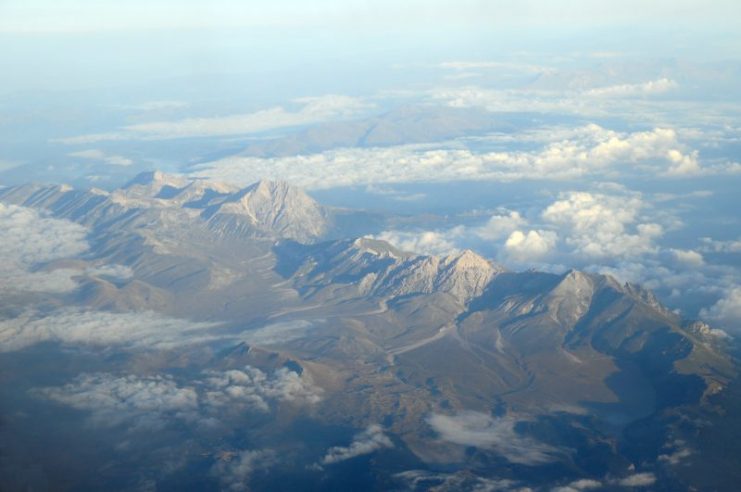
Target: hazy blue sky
{"x": 80, "y": 15}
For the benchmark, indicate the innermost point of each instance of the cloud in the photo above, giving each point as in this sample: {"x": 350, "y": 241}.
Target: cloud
{"x": 610, "y": 231}
{"x": 710, "y": 245}
{"x": 676, "y": 457}
{"x": 279, "y": 332}
{"x": 688, "y": 257}
{"x": 253, "y": 388}
{"x": 162, "y": 105}
{"x": 156, "y": 400}
{"x": 598, "y": 225}
{"x": 578, "y": 228}
{"x": 463, "y": 65}
{"x": 99, "y": 155}
{"x": 425, "y": 242}
{"x": 423, "y": 480}
{"x": 497, "y": 434}
{"x": 145, "y": 330}
{"x": 530, "y": 245}
{"x": 573, "y": 98}
{"x": 650, "y": 88}
{"x": 579, "y": 485}
{"x": 500, "y": 225}
{"x": 370, "y": 440}
{"x": 588, "y": 150}
{"x": 119, "y": 272}
{"x": 29, "y": 238}
{"x": 147, "y": 401}
{"x": 638, "y": 480}
{"x": 234, "y": 472}
{"x": 312, "y": 110}
{"x": 727, "y": 311}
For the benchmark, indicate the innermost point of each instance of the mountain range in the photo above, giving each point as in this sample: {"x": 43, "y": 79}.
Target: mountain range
{"x": 454, "y": 371}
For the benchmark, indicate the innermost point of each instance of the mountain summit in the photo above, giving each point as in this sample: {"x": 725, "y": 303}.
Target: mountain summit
{"x": 270, "y": 205}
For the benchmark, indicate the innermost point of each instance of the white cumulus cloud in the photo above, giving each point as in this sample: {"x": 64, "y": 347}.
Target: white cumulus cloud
{"x": 727, "y": 311}
{"x": 599, "y": 225}
{"x": 531, "y": 245}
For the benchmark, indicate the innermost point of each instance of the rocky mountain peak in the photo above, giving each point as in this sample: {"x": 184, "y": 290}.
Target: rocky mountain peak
{"x": 466, "y": 259}
{"x": 271, "y": 205}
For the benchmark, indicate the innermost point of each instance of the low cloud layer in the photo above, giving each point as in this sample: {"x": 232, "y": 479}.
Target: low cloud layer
{"x": 253, "y": 388}
{"x": 649, "y": 88}
{"x": 497, "y": 434}
{"x": 139, "y": 401}
{"x": 311, "y": 110}
{"x": 423, "y": 480}
{"x": 370, "y": 440}
{"x": 30, "y": 239}
{"x": 146, "y": 330}
{"x": 588, "y": 150}
{"x": 100, "y": 156}
{"x": 156, "y": 400}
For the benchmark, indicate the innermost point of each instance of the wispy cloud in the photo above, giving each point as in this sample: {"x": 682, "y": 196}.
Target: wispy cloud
{"x": 99, "y": 155}
{"x": 652, "y": 87}
{"x": 161, "y": 105}
{"x": 69, "y": 326}
{"x": 579, "y": 485}
{"x": 311, "y": 110}
{"x": 638, "y": 480}
{"x": 423, "y": 480}
{"x": 497, "y": 434}
{"x": 234, "y": 472}
{"x": 370, "y": 440}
